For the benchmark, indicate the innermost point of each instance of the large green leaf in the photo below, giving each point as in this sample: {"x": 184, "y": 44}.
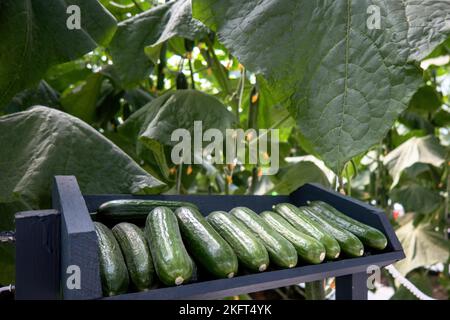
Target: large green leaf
{"x": 344, "y": 82}
{"x": 34, "y": 36}
{"x": 293, "y": 176}
{"x": 42, "y": 142}
{"x": 416, "y": 198}
{"x": 81, "y": 99}
{"x": 42, "y": 94}
{"x": 154, "y": 123}
{"x": 423, "y": 246}
{"x": 423, "y": 149}
{"x": 425, "y": 100}
{"x": 151, "y": 28}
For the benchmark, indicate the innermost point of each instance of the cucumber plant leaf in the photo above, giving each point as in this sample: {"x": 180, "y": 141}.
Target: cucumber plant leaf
{"x": 42, "y": 142}
{"x": 344, "y": 82}
{"x": 154, "y": 123}
{"x": 423, "y": 246}
{"x": 81, "y": 99}
{"x": 293, "y": 176}
{"x": 417, "y": 149}
{"x": 42, "y": 94}
{"x": 417, "y": 198}
{"x": 34, "y": 36}
{"x": 149, "y": 29}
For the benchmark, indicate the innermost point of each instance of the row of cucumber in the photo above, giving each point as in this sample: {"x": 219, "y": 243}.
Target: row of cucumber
{"x": 220, "y": 242}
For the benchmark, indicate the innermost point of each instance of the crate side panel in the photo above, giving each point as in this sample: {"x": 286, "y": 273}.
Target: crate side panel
{"x": 355, "y": 209}
{"x": 79, "y": 246}
{"x": 37, "y": 255}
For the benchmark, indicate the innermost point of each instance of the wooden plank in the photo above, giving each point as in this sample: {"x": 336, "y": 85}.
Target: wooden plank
{"x": 216, "y": 289}
{"x": 79, "y": 247}
{"x": 37, "y": 255}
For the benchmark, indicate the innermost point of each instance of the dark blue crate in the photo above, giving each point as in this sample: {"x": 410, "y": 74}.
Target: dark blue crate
{"x": 69, "y": 231}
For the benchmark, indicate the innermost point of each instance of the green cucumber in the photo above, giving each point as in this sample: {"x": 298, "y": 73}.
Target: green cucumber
{"x": 308, "y": 248}
{"x": 307, "y": 226}
{"x": 113, "y": 270}
{"x": 349, "y": 243}
{"x": 137, "y": 254}
{"x": 249, "y": 250}
{"x": 205, "y": 244}
{"x": 368, "y": 235}
{"x": 172, "y": 262}
{"x": 126, "y": 209}
{"x": 281, "y": 252}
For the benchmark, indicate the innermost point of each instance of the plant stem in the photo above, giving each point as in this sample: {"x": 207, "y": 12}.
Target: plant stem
{"x": 215, "y": 64}
{"x": 179, "y": 176}
{"x": 447, "y": 202}
{"x": 191, "y": 69}
{"x": 253, "y": 124}
{"x": 161, "y": 67}
{"x": 349, "y": 181}
{"x": 315, "y": 290}
{"x": 241, "y": 94}
{"x": 138, "y": 5}
{"x": 341, "y": 183}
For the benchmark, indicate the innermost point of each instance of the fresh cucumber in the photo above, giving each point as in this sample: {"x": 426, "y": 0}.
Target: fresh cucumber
{"x": 205, "y": 244}
{"x": 172, "y": 262}
{"x": 281, "y": 252}
{"x": 307, "y": 226}
{"x": 113, "y": 270}
{"x": 136, "y": 253}
{"x": 308, "y": 248}
{"x": 349, "y": 243}
{"x": 129, "y": 209}
{"x": 368, "y": 235}
{"x": 249, "y": 250}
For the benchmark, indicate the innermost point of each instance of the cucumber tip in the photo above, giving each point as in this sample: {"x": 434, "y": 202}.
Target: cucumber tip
{"x": 262, "y": 267}
{"x": 322, "y": 256}
{"x": 179, "y": 280}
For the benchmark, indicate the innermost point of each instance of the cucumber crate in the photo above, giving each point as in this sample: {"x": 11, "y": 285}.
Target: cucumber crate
{"x": 54, "y": 245}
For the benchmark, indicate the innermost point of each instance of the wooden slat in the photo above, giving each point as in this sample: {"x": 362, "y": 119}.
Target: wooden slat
{"x": 79, "y": 245}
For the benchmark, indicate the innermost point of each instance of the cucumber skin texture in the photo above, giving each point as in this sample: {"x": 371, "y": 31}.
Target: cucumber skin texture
{"x": 205, "y": 244}
{"x": 113, "y": 270}
{"x": 281, "y": 252}
{"x": 349, "y": 243}
{"x": 137, "y": 255}
{"x": 307, "y": 226}
{"x": 308, "y": 248}
{"x": 249, "y": 250}
{"x": 171, "y": 260}
{"x": 368, "y": 235}
{"x": 134, "y": 208}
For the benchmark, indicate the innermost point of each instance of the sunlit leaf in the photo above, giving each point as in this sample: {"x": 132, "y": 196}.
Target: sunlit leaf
{"x": 423, "y": 246}
{"x": 345, "y": 83}
{"x": 424, "y": 149}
